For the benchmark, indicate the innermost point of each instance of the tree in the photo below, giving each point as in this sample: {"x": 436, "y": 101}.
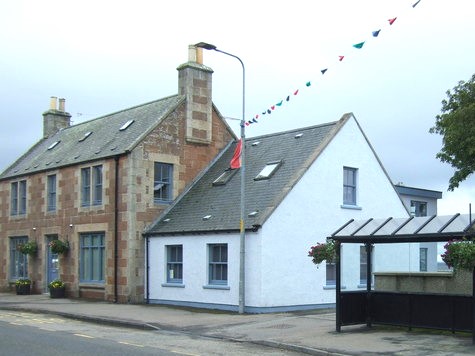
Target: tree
{"x": 456, "y": 124}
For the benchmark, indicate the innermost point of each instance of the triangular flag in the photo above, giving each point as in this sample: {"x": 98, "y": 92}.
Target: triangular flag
{"x": 391, "y": 21}
{"x": 254, "y": 120}
{"x": 236, "y": 160}
{"x": 376, "y": 33}
{"x": 359, "y": 45}
{"x": 268, "y": 111}
{"x": 324, "y": 70}
{"x": 415, "y": 4}
{"x": 279, "y": 103}
{"x": 273, "y": 107}
{"x": 308, "y": 84}
{"x": 288, "y": 98}
{"x": 296, "y": 92}
{"x": 257, "y": 116}
{"x": 247, "y": 124}
{"x": 340, "y": 58}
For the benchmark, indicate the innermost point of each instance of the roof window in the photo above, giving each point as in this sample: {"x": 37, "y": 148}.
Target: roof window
{"x": 206, "y": 217}
{"x": 298, "y": 135}
{"x": 255, "y": 143}
{"x": 268, "y": 170}
{"x": 53, "y": 145}
{"x": 253, "y": 213}
{"x": 126, "y": 125}
{"x": 224, "y": 177}
{"x": 86, "y": 135}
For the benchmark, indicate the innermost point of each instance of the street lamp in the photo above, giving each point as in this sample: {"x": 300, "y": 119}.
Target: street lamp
{"x": 242, "y": 228}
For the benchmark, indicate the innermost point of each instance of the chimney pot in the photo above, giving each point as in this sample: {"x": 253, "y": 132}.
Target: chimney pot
{"x": 53, "y": 103}
{"x": 62, "y": 104}
{"x": 195, "y": 54}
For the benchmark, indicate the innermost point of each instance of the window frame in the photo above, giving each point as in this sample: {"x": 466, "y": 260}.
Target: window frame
{"x": 350, "y": 186}
{"x": 163, "y": 179}
{"x": 91, "y": 253}
{"x": 18, "y": 198}
{"x": 18, "y": 260}
{"x": 91, "y": 185}
{"x": 330, "y": 273}
{"x": 174, "y": 265}
{"x": 423, "y": 254}
{"x": 417, "y": 204}
{"x": 218, "y": 267}
{"x": 51, "y": 187}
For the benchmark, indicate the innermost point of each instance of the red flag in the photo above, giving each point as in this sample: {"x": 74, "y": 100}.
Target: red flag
{"x": 391, "y": 21}
{"x": 236, "y": 160}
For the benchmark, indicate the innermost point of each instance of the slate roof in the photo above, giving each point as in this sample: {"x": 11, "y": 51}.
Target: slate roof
{"x": 105, "y": 140}
{"x": 296, "y": 149}
{"x": 412, "y": 229}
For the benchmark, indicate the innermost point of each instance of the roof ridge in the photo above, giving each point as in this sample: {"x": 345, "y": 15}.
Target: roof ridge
{"x": 119, "y": 111}
{"x": 292, "y": 130}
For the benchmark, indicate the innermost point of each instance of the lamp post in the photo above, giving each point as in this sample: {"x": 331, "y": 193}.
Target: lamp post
{"x": 242, "y": 227}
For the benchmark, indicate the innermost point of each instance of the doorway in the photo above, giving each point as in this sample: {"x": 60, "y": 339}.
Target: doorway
{"x": 52, "y": 262}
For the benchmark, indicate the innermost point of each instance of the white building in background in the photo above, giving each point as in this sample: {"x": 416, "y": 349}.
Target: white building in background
{"x": 423, "y": 202}
{"x": 300, "y": 186}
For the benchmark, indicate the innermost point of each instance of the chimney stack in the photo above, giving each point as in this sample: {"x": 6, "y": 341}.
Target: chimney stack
{"x": 56, "y": 118}
{"x": 195, "y": 83}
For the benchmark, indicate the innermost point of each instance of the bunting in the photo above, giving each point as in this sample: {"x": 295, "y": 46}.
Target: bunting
{"x": 340, "y": 58}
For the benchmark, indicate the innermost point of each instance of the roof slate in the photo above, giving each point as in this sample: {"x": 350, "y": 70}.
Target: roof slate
{"x": 223, "y": 202}
{"x": 106, "y": 139}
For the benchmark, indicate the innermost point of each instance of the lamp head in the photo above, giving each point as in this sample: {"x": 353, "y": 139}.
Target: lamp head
{"x": 205, "y": 45}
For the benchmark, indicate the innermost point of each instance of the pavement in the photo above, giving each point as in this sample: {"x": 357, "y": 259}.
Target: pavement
{"x": 307, "y": 332}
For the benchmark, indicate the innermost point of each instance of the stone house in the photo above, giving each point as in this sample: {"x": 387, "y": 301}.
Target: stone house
{"x": 97, "y": 185}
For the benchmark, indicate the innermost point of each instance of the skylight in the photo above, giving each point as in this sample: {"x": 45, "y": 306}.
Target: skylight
{"x": 53, "y": 145}
{"x": 268, "y": 170}
{"x": 224, "y": 177}
{"x": 86, "y": 135}
{"x": 298, "y": 135}
{"x": 255, "y": 143}
{"x": 126, "y": 125}
{"x": 206, "y": 217}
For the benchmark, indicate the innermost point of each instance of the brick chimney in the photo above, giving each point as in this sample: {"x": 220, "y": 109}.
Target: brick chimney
{"x": 194, "y": 81}
{"x": 56, "y": 118}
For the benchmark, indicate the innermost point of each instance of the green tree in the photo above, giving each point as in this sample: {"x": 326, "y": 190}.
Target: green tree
{"x": 456, "y": 124}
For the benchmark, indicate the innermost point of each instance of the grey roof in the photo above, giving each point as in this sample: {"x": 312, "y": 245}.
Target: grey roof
{"x": 296, "y": 149}
{"x": 105, "y": 140}
{"x": 418, "y": 192}
{"x": 412, "y": 229}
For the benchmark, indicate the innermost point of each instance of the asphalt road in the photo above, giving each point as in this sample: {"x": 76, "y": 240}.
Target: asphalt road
{"x": 39, "y": 334}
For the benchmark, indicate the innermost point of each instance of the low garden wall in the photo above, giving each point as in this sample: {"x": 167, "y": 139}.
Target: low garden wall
{"x": 459, "y": 282}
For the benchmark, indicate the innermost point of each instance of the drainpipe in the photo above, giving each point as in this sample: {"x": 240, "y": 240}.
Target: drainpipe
{"x": 147, "y": 261}
{"x": 116, "y": 227}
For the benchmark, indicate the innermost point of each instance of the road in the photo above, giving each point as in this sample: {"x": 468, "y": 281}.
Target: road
{"x": 40, "y": 334}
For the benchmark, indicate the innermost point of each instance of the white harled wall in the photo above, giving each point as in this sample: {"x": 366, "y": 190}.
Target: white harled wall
{"x": 279, "y": 273}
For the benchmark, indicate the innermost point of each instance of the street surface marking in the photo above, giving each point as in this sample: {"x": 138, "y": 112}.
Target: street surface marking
{"x": 131, "y": 344}
{"x": 86, "y": 336}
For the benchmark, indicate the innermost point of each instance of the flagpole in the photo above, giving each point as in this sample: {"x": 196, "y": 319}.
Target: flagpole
{"x": 242, "y": 226}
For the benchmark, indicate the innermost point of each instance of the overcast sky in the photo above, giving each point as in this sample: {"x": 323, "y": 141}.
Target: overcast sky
{"x": 105, "y": 56}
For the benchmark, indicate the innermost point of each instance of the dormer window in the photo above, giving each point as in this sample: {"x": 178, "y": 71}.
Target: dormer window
{"x": 268, "y": 170}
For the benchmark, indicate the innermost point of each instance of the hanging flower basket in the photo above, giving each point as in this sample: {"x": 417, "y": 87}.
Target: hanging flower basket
{"x": 459, "y": 254}
{"x": 323, "y": 252}
{"x": 58, "y": 246}
{"x": 28, "y": 248}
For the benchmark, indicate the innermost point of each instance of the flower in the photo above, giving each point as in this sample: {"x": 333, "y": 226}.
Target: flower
{"x": 58, "y": 246}
{"x": 459, "y": 254}
{"x": 28, "y": 248}
{"x": 323, "y": 252}
{"x": 57, "y": 283}
{"x": 23, "y": 282}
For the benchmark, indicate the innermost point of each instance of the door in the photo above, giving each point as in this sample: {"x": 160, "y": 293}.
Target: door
{"x": 52, "y": 265}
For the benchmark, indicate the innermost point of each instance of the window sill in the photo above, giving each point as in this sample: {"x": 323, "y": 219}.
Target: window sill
{"x": 354, "y": 207}
{"x": 364, "y": 286}
{"x": 329, "y": 287}
{"x": 216, "y": 286}
{"x": 173, "y": 285}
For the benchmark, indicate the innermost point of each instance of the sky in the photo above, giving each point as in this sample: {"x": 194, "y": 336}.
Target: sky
{"x": 105, "y": 56}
